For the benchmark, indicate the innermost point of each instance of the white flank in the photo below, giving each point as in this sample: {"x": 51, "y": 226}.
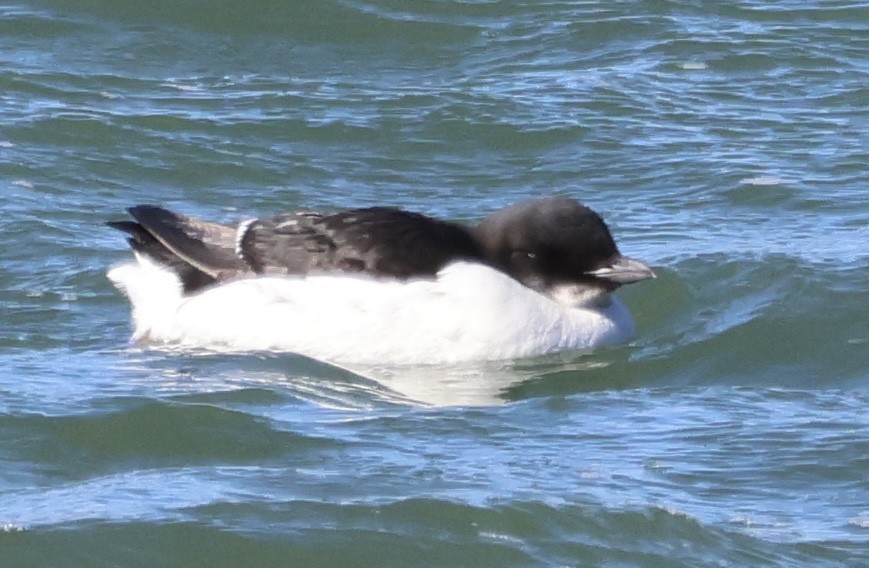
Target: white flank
{"x": 470, "y": 312}
{"x": 155, "y": 293}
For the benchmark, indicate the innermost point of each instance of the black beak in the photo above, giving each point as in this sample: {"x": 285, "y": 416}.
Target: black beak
{"x": 623, "y": 270}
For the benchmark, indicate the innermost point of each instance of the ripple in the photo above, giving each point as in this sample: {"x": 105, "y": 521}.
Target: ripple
{"x": 724, "y": 143}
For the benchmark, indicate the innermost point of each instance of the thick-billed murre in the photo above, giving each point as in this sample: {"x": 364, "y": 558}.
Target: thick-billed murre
{"x": 380, "y": 285}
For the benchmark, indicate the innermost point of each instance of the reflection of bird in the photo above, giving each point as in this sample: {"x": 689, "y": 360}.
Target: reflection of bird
{"x": 380, "y": 284}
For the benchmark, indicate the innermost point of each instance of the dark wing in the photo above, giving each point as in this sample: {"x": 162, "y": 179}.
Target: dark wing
{"x": 142, "y": 241}
{"x": 379, "y": 240}
{"x": 209, "y": 247}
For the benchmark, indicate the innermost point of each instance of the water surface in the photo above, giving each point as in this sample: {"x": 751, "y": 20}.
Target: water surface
{"x": 724, "y": 143}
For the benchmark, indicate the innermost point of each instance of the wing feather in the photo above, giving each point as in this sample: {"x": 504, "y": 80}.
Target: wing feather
{"x": 210, "y": 247}
{"x": 381, "y": 241}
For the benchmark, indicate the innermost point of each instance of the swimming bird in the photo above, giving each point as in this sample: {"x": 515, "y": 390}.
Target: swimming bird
{"x": 380, "y": 285}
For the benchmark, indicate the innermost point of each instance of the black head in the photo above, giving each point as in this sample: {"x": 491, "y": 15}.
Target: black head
{"x": 555, "y": 241}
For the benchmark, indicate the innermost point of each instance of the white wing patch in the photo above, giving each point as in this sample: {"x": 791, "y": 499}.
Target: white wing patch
{"x": 243, "y": 228}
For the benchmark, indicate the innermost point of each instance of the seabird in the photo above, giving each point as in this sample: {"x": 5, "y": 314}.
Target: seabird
{"x": 380, "y": 285}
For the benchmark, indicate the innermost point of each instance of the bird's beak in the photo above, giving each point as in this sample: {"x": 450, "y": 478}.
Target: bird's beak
{"x": 623, "y": 270}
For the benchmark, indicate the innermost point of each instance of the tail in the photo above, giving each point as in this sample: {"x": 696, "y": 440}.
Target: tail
{"x": 155, "y": 292}
{"x": 145, "y": 245}
{"x": 200, "y": 253}
{"x": 175, "y": 256}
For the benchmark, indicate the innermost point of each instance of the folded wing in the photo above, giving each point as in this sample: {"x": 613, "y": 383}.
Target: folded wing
{"x": 380, "y": 241}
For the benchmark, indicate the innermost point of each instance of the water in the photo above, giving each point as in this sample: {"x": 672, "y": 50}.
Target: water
{"x": 725, "y": 143}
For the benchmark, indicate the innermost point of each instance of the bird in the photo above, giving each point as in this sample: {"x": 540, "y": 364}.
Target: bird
{"x": 379, "y": 285}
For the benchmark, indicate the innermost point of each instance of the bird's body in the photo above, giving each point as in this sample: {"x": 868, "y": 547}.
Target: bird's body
{"x": 380, "y": 285}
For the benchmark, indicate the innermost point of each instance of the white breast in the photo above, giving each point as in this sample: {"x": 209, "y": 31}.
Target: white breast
{"x": 469, "y": 312}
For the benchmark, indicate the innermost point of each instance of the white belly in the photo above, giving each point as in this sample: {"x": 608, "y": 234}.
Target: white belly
{"x": 469, "y": 312}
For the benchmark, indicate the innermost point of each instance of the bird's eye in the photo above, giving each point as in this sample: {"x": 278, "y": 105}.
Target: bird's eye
{"x": 524, "y": 255}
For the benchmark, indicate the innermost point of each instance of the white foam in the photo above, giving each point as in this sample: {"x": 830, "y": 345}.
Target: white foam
{"x": 761, "y": 180}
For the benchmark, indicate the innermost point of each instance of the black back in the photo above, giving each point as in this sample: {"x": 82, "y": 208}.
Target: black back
{"x": 379, "y": 240}
{"x": 540, "y": 243}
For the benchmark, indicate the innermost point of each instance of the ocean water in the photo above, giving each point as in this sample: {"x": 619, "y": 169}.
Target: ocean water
{"x": 726, "y": 143}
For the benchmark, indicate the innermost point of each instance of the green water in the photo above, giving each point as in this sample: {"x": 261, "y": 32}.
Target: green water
{"x": 724, "y": 143}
